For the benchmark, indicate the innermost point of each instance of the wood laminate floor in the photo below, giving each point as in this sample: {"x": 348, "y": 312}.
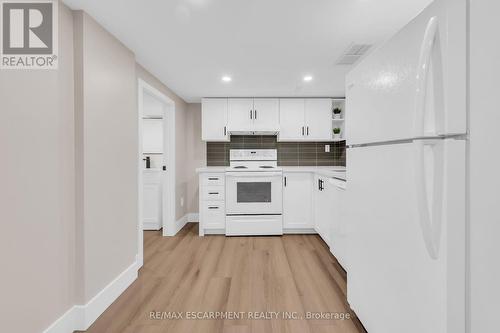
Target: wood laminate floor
{"x": 293, "y": 275}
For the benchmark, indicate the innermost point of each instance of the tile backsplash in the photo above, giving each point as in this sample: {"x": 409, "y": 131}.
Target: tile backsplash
{"x": 289, "y": 153}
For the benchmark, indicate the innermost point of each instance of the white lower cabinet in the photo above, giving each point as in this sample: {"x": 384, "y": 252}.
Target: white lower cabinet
{"x": 323, "y": 207}
{"x": 212, "y": 203}
{"x": 339, "y": 227}
{"x": 151, "y": 200}
{"x": 213, "y": 215}
{"x": 297, "y": 201}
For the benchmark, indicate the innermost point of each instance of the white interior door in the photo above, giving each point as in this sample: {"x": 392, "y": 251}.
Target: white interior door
{"x": 240, "y": 114}
{"x": 266, "y": 114}
{"x": 393, "y": 272}
{"x": 152, "y": 200}
{"x": 292, "y": 119}
{"x": 152, "y": 139}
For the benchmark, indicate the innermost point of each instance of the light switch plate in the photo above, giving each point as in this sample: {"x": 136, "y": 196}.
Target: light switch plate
{"x": 327, "y": 148}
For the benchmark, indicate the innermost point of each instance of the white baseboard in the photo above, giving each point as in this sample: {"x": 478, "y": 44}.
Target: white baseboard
{"x": 80, "y": 317}
{"x": 67, "y": 323}
{"x": 294, "y": 231}
{"x": 180, "y": 223}
{"x": 151, "y": 226}
{"x": 193, "y": 218}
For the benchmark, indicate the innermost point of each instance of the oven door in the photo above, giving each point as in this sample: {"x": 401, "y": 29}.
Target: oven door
{"x": 254, "y": 193}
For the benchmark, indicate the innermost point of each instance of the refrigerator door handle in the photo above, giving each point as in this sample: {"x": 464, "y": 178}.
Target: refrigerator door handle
{"x": 430, "y": 213}
{"x": 429, "y": 42}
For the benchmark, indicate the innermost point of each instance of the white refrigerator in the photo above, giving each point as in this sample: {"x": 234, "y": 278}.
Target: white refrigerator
{"x": 406, "y": 175}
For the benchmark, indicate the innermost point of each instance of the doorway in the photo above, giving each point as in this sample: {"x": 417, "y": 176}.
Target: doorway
{"x": 156, "y": 167}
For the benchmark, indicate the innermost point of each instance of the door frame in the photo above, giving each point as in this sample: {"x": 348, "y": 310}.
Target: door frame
{"x": 168, "y": 186}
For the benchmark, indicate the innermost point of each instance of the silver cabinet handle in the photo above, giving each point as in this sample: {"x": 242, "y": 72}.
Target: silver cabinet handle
{"x": 307, "y": 130}
{"x": 211, "y": 178}
{"x": 302, "y": 130}
{"x": 213, "y": 192}
{"x": 255, "y": 114}
{"x": 251, "y": 114}
{"x": 213, "y": 207}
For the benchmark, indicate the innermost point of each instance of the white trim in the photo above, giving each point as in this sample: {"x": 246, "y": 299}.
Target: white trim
{"x": 168, "y": 190}
{"x": 150, "y": 226}
{"x": 66, "y": 323}
{"x": 81, "y": 317}
{"x": 193, "y": 218}
{"x": 179, "y": 224}
{"x": 304, "y": 231}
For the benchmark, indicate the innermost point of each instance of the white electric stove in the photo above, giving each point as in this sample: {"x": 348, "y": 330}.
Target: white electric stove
{"x": 254, "y": 199}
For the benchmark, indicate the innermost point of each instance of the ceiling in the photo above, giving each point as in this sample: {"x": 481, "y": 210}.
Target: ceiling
{"x": 265, "y": 46}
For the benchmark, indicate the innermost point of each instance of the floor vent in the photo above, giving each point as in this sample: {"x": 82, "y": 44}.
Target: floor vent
{"x": 353, "y": 54}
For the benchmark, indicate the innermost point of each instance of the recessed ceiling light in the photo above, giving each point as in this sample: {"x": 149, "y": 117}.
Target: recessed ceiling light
{"x": 308, "y": 78}
{"x": 226, "y": 78}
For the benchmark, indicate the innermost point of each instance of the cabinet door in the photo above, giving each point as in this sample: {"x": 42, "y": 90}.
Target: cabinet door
{"x": 291, "y": 119}
{"x": 318, "y": 115}
{"x": 322, "y": 208}
{"x": 266, "y": 114}
{"x": 240, "y": 115}
{"x": 327, "y": 210}
{"x": 214, "y": 119}
{"x": 297, "y": 201}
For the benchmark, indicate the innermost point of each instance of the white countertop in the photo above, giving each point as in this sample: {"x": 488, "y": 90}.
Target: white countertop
{"x": 326, "y": 171}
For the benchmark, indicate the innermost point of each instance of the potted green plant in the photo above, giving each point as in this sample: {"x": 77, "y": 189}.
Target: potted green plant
{"x": 336, "y": 133}
{"x": 336, "y": 113}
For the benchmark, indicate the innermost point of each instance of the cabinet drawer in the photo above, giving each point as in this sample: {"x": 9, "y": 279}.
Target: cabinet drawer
{"x": 213, "y": 179}
{"x": 213, "y": 193}
{"x": 213, "y": 215}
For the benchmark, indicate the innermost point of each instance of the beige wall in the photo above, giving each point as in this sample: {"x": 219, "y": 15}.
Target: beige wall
{"x": 196, "y": 154}
{"x": 181, "y": 147}
{"x": 107, "y": 146}
{"x": 68, "y": 141}
{"x": 37, "y": 191}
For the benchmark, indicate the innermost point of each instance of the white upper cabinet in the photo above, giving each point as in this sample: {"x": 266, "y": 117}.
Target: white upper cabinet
{"x": 251, "y": 115}
{"x": 266, "y": 114}
{"x": 214, "y": 119}
{"x": 308, "y": 119}
{"x": 292, "y": 119}
{"x": 240, "y": 115}
{"x": 318, "y": 115}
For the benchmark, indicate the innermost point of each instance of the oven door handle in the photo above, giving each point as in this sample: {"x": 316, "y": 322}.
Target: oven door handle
{"x": 254, "y": 174}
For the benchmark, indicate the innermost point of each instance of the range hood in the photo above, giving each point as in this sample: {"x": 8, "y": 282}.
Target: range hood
{"x": 253, "y": 132}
